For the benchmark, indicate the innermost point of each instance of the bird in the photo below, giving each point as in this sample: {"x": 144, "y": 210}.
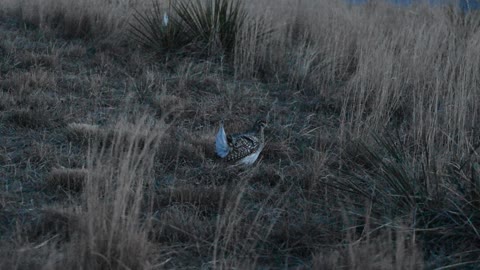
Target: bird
{"x": 243, "y": 148}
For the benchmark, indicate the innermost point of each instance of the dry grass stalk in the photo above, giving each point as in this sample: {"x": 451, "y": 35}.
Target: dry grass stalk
{"x": 67, "y": 179}
{"x": 113, "y": 196}
{"x": 84, "y": 132}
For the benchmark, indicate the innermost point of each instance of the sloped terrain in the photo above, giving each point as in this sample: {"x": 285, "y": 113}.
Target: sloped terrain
{"x": 107, "y": 150}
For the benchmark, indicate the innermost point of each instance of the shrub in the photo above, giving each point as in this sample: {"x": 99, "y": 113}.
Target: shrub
{"x": 210, "y": 26}
{"x": 155, "y": 32}
{"x": 384, "y": 172}
{"x": 213, "y": 24}
{"x": 442, "y": 198}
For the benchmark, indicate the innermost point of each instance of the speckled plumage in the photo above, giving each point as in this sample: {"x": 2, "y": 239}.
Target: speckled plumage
{"x": 243, "y": 147}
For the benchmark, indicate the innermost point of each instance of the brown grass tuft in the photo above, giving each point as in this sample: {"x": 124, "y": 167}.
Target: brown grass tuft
{"x": 24, "y": 83}
{"x": 208, "y": 198}
{"x": 67, "y": 179}
{"x": 113, "y": 197}
{"x": 277, "y": 150}
{"x": 184, "y": 224}
{"x": 32, "y": 60}
{"x": 73, "y": 50}
{"x": 29, "y": 118}
{"x": 389, "y": 249}
{"x": 50, "y": 222}
{"x": 84, "y": 132}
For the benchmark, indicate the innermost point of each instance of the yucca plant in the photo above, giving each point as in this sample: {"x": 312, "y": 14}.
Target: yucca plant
{"x": 158, "y": 29}
{"x": 384, "y": 172}
{"x": 209, "y": 25}
{"x": 212, "y": 23}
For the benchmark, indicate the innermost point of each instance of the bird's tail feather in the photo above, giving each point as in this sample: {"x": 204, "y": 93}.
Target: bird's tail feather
{"x": 221, "y": 145}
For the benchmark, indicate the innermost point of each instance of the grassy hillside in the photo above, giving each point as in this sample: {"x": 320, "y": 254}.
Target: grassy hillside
{"x": 108, "y": 118}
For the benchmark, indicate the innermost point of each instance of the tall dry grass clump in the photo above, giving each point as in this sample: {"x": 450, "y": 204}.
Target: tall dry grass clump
{"x": 114, "y": 227}
{"x": 88, "y": 19}
{"x": 407, "y": 75}
{"x": 108, "y": 226}
{"x": 413, "y": 67}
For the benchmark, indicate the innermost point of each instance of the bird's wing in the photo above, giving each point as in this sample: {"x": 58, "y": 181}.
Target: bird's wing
{"x": 243, "y": 145}
{"x": 221, "y": 146}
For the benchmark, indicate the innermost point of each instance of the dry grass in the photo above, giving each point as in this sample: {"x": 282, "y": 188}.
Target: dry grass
{"x": 67, "y": 179}
{"x": 392, "y": 248}
{"x": 84, "y": 132}
{"x": 372, "y": 147}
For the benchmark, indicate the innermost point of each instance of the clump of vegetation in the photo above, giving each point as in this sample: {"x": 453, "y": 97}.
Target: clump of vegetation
{"x": 158, "y": 30}
{"x": 208, "y": 26}
{"x": 216, "y": 23}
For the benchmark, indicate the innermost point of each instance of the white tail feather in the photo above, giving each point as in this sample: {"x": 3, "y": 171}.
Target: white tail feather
{"x": 165, "y": 19}
{"x": 221, "y": 145}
